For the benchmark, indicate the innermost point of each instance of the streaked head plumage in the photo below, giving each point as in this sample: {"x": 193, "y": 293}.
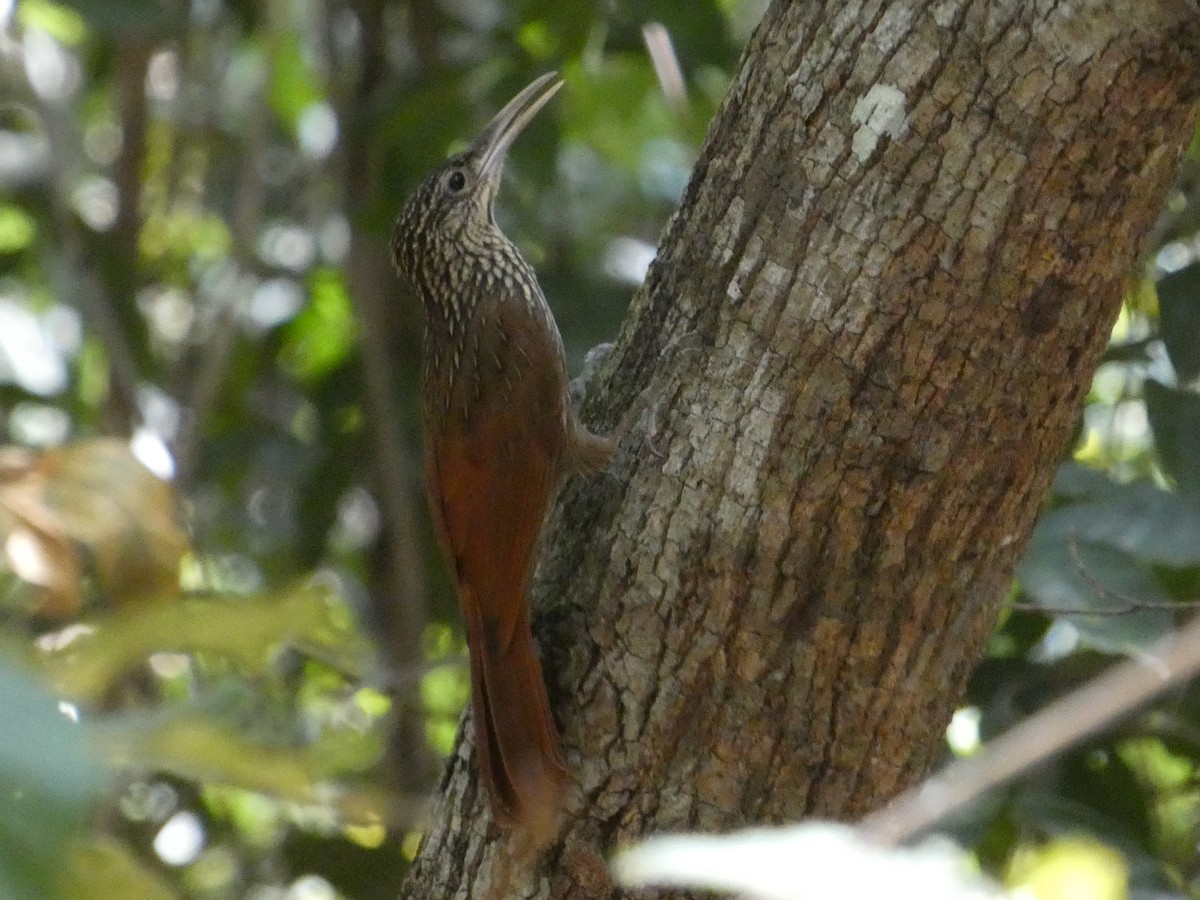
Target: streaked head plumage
{"x": 458, "y": 195}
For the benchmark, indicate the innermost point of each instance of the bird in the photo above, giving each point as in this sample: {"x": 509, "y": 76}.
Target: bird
{"x": 500, "y": 436}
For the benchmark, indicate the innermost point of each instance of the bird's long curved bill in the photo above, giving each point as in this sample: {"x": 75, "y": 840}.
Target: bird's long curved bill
{"x": 494, "y": 141}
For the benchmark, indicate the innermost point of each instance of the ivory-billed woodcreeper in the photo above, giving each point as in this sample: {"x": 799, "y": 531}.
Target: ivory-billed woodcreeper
{"x": 499, "y": 436}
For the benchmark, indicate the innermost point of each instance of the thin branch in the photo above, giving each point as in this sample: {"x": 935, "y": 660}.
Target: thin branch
{"x": 215, "y": 351}
{"x": 132, "y": 62}
{"x": 83, "y": 286}
{"x": 1133, "y": 606}
{"x": 401, "y": 597}
{"x": 117, "y": 265}
{"x": 1118, "y": 692}
{"x": 423, "y": 17}
{"x": 666, "y": 64}
{"x": 1128, "y": 604}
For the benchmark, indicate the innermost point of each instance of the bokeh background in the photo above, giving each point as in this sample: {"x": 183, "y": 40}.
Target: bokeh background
{"x": 240, "y": 681}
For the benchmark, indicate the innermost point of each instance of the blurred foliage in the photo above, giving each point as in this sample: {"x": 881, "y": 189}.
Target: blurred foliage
{"x": 195, "y": 203}
{"x": 88, "y": 509}
{"x": 50, "y": 779}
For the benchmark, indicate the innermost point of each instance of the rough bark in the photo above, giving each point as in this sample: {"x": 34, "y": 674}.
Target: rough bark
{"x": 846, "y": 386}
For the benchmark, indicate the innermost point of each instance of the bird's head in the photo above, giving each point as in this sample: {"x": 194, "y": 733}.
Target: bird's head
{"x": 452, "y": 208}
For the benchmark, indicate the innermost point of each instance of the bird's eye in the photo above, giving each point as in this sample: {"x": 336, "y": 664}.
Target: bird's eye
{"x": 457, "y": 181}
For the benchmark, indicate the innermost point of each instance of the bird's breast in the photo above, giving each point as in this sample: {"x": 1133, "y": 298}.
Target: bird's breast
{"x": 504, "y": 352}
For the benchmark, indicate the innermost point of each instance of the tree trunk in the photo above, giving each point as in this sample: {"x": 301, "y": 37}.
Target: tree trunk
{"x": 847, "y": 384}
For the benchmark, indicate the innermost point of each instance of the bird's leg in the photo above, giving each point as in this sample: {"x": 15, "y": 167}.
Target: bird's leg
{"x": 592, "y": 362}
{"x": 643, "y": 410}
{"x": 587, "y": 453}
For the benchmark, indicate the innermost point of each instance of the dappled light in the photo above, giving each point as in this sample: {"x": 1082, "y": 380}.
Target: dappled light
{"x": 231, "y": 660}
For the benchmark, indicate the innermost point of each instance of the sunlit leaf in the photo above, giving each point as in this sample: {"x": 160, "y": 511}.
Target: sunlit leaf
{"x": 294, "y": 86}
{"x": 370, "y": 835}
{"x": 1158, "y": 763}
{"x": 1070, "y": 868}
{"x": 246, "y": 631}
{"x": 56, "y": 19}
{"x": 207, "y": 750}
{"x": 257, "y": 817}
{"x": 347, "y": 737}
{"x": 538, "y": 39}
{"x": 16, "y": 229}
{"x": 445, "y": 686}
{"x": 89, "y": 508}
{"x": 322, "y": 335}
{"x": 49, "y": 781}
{"x": 92, "y": 379}
{"x": 102, "y": 868}
{"x": 183, "y": 233}
{"x": 441, "y": 734}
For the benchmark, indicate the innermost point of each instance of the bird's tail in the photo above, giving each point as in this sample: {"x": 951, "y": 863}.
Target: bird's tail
{"x": 516, "y": 741}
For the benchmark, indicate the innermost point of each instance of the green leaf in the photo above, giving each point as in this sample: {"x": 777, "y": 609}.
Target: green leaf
{"x": 1156, "y": 527}
{"x": 1096, "y": 555}
{"x": 417, "y": 140}
{"x": 227, "y": 761}
{"x": 293, "y": 87}
{"x": 538, "y": 40}
{"x": 16, "y": 229}
{"x": 118, "y": 17}
{"x": 1075, "y": 481}
{"x": 1179, "y": 319}
{"x": 1130, "y": 351}
{"x": 105, "y": 869}
{"x": 616, "y": 111}
{"x": 49, "y": 782}
{"x": 321, "y": 336}
{"x": 1061, "y": 574}
{"x": 246, "y": 631}
{"x": 1175, "y": 420}
{"x": 207, "y": 750}
{"x": 58, "y": 20}
{"x": 180, "y": 235}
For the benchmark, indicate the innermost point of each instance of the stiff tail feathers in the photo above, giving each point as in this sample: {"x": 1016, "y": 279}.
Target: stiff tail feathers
{"x": 516, "y": 740}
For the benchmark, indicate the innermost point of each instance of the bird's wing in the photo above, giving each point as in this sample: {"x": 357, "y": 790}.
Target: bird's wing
{"x": 491, "y": 476}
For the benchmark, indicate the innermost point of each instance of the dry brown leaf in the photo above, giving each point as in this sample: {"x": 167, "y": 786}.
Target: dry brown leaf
{"x": 88, "y": 509}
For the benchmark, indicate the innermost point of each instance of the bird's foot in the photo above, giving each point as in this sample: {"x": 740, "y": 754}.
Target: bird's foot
{"x": 591, "y": 365}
